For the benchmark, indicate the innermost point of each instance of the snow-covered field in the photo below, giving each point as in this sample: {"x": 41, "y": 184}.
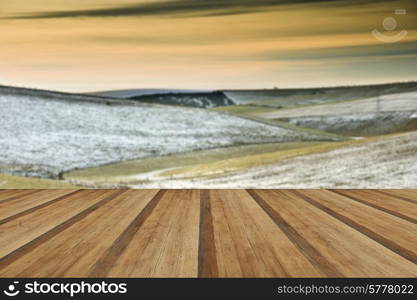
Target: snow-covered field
{"x": 386, "y": 103}
{"x": 386, "y": 163}
{"x": 365, "y": 124}
{"x": 44, "y": 137}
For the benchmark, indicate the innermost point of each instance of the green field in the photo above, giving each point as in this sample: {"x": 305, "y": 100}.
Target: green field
{"x": 125, "y": 172}
{"x": 244, "y": 109}
{"x": 244, "y": 162}
{"x": 236, "y": 164}
{"x": 18, "y": 182}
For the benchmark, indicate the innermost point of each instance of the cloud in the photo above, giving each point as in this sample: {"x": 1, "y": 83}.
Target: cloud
{"x": 183, "y": 7}
{"x": 362, "y": 51}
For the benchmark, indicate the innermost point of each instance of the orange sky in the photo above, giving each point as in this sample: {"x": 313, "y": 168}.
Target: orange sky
{"x": 89, "y": 45}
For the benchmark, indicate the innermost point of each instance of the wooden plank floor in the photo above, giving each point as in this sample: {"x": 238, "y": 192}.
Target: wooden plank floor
{"x": 208, "y": 233}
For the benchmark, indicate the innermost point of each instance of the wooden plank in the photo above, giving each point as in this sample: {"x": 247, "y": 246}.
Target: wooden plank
{"x": 207, "y": 260}
{"x": 408, "y": 195}
{"x": 353, "y": 253}
{"x": 86, "y": 240}
{"x": 208, "y": 233}
{"x": 4, "y": 193}
{"x": 7, "y": 195}
{"x": 28, "y": 203}
{"x": 166, "y": 244}
{"x": 389, "y": 204}
{"x": 394, "y": 233}
{"x": 112, "y": 254}
{"x": 21, "y": 231}
{"x": 315, "y": 257}
{"x": 249, "y": 244}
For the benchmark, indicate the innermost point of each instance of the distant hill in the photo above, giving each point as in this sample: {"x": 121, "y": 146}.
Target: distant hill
{"x": 196, "y": 99}
{"x": 47, "y": 94}
{"x": 281, "y": 98}
{"x": 180, "y": 97}
{"x": 129, "y": 93}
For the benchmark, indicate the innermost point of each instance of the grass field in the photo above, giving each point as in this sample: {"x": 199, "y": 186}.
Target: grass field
{"x": 244, "y": 109}
{"x": 366, "y": 124}
{"x": 18, "y": 182}
{"x": 236, "y": 164}
{"x": 378, "y": 162}
{"x": 129, "y": 172}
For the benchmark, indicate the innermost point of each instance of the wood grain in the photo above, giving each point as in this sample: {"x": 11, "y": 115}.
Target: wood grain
{"x": 353, "y": 253}
{"x": 389, "y": 204}
{"x": 86, "y": 240}
{"x": 107, "y": 260}
{"x": 248, "y": 243}
{"x": 208, "y": 233}
{"x": 376, "y": 224}
{"x": 28, "y": 203}
{"x": 407, "y": 195}
{"x": 166, "y": 244}
{"x": 19, "y": 232}
{"x": 8, "y": 195}
{"x": 207, "y": 261}
{"x": 314, "y": 256}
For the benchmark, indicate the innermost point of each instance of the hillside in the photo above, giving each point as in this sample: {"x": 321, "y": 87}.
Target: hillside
{"x": 179, "y": 97}
{"x": 129, "y": 93}
{"x": 47, "y": 135}
{"x": 282, "y": 98}
{"x": 383, "y": 162}
{"x": 373, "y": 116}
{"x": 259, "y": 99}
{"x": 195, "y": 99}
{"x": 55, "y": 95}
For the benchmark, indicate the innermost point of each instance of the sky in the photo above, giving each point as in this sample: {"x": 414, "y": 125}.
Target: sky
{"x": 96, "y": 45}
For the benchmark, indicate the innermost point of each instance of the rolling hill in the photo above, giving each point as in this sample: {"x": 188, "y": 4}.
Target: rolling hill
{"x": 262, "y": 98}
{"x": 44, "y": 133}
{"x": 378, "y": 162}
{"x": 282, "y": 98}
{"x": 195, "y": 99}
{"x": 373, "y": 116}
{"x": 179, "y": 97}
{"x": 129, "y": 93}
